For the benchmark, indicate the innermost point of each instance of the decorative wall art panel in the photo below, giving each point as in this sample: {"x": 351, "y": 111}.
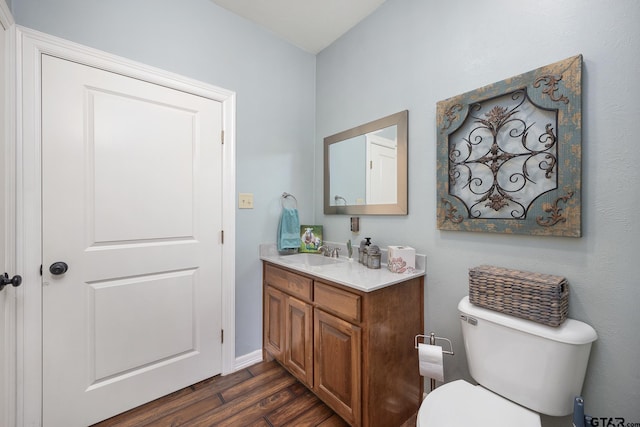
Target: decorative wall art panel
{"x": 509, "y": 154}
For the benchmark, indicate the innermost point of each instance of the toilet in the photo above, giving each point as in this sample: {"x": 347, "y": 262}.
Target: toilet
{"x": 523, "y": 369}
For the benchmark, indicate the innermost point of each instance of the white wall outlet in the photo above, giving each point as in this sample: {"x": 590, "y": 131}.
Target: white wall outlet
{"x": 245, "y": 201}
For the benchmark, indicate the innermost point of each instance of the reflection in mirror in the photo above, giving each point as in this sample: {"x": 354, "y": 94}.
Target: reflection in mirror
{"x": 366, "y": 168}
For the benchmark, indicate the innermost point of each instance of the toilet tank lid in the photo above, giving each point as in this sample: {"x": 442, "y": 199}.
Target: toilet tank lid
{"x": 570, "y": 331}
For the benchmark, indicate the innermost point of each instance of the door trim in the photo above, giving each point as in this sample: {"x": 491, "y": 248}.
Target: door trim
{"x": 7, "y": 146}
{"x": 31, "y": 45}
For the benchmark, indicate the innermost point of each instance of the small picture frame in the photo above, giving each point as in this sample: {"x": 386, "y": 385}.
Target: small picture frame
{"x": 310, "y": 238}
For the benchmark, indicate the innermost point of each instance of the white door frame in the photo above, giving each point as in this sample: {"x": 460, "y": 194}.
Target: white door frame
{"x": 30, "y": 47}
{"x": 7, "y": 245}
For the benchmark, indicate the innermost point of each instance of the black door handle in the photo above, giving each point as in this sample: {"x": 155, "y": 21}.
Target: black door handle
{"x": 4, "y": 280}
{"x": 58, "y": 268}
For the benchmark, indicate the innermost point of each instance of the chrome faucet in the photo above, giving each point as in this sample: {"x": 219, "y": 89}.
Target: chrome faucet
{"x": 328, "y": 251}
{"x": 325, "y": 250}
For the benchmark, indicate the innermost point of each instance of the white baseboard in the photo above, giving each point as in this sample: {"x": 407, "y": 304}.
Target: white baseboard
{"x": 247, "y": 360}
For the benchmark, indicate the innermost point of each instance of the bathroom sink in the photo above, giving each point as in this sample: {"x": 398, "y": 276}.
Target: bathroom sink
{"x": 313, "y": 260}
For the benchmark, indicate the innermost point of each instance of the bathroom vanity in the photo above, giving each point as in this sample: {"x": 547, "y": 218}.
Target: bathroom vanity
{"x": 347, "y": 333}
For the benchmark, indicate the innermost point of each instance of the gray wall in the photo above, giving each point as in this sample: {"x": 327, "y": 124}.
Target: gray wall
{"x": 275, "y": 86}
{"x": 410, "y": 54}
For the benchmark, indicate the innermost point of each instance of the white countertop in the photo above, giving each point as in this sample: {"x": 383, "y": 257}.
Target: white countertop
{"x": 345, "y": 272}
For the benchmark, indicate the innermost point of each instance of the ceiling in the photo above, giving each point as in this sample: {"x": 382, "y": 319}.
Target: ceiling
{"x": 309, "y": 24}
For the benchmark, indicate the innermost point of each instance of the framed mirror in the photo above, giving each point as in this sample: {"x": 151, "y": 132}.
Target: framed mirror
{"x": 365, "y": 168}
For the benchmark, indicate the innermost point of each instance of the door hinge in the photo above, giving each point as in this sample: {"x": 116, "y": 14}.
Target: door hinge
{"x": 370, "y": 164}
{"x": 222, "y": 236}
{"x": 222, "y": 136}
{"x": 222, "y": 336}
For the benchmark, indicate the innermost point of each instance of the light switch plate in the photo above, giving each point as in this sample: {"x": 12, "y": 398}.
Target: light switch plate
{"x": 245, "y": 201}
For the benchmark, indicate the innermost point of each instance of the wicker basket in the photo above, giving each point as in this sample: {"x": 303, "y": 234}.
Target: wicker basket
{"x": 542, "y": 298}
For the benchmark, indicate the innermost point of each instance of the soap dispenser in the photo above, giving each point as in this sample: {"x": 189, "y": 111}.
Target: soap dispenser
{"x": 364, "y": 252}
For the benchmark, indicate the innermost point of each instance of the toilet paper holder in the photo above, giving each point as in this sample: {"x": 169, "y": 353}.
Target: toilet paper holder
{"x": 432, "y": 341}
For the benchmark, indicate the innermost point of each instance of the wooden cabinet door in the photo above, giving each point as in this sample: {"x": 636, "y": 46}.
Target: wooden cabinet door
{"x": 337, "y": 365}
{"x": 274, "y": 320}
{"x": 299, "y": 340}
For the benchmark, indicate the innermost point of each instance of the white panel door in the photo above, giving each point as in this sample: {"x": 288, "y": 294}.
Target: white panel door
{"x": 131, "y": 183}
{"x": 382, "y": 184}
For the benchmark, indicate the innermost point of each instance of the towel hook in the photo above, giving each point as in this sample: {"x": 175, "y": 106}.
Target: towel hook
{"x": 337, "y": 198}
{"x": 286, "y": 195}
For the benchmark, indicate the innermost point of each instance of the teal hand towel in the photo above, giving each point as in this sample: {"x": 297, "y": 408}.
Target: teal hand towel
{"x": 289, "y": 229}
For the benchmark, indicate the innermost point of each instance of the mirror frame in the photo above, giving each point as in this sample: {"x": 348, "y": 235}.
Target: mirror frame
{"x": 401, "y": 206}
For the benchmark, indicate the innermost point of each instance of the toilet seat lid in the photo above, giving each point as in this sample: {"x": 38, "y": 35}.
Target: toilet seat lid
{"x": 460, "y": 404}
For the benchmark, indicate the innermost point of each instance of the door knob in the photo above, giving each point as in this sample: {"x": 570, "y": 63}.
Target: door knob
{"x": 58, "y": 268}
{"x": 4, "y": 280}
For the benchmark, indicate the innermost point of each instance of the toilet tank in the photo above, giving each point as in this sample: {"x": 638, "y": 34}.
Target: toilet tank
{"x": 538, "y": 366}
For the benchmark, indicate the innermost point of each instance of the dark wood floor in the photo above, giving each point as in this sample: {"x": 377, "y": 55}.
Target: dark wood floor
{"x": 262, "y": 395}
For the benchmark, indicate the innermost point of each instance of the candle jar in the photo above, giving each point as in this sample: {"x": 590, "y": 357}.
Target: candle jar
{"x": 374, "y": 260}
